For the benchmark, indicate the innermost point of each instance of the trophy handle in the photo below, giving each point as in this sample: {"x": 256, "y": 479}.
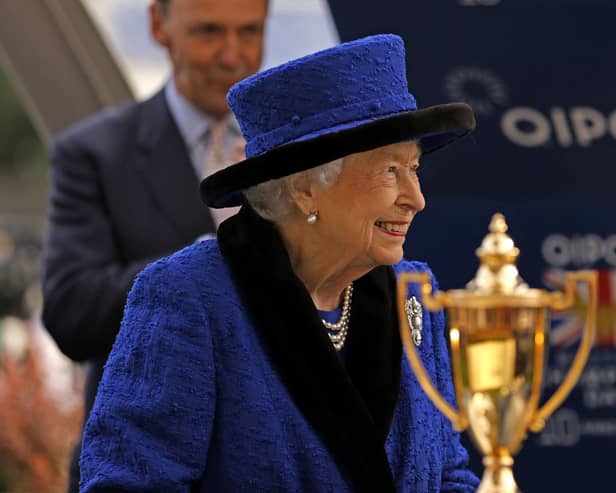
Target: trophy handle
{"x": 562, "y": 302}
{"x": 432, "y": 303}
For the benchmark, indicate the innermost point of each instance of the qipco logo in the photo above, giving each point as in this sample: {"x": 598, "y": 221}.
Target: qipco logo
{"x": 578, "y": 250}
{"x": 580, "y": 125}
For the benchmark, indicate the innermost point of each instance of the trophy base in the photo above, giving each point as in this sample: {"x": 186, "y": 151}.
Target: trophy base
{"x": 498, "y": 476}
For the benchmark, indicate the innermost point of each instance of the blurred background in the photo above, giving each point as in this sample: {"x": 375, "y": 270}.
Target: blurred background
{"x": 61, "y": 60}
{"x": 540, "y": 77}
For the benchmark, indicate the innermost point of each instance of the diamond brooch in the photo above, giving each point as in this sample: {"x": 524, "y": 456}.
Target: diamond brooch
{"x": 415, "y": 316}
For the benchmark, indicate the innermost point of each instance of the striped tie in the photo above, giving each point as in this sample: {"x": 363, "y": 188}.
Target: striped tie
{"x": 223, "y": 148}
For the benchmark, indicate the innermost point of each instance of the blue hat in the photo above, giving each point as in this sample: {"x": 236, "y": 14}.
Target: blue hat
{"x": 310, "y": 111}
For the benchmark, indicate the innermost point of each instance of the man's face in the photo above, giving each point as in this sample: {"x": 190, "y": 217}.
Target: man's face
{"x": 212, "y": 44}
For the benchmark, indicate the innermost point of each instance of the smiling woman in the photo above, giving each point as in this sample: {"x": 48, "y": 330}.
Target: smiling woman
{"x": 269, "y": 359}
{"x": 365, "y": 233}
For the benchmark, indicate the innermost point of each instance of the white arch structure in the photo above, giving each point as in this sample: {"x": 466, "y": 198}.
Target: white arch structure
{"x": 59, "y": 64}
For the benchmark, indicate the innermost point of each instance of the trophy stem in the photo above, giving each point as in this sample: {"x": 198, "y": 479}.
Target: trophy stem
{"x": 498, "y": 475}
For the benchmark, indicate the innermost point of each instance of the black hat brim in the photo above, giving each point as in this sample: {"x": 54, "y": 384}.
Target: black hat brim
{"x": 435, "y": 126}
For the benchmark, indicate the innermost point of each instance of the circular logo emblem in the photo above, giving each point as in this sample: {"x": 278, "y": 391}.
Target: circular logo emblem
{"x": 477, "y": 86}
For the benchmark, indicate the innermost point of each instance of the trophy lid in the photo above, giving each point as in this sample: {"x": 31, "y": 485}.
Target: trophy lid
{"x": 497, "y": 273}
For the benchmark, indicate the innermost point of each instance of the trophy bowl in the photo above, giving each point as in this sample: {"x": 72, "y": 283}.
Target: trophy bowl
{"x": 498, "y": 330}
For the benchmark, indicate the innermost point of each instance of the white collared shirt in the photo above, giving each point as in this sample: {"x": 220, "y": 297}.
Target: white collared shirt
{"x": 193, "y": 125}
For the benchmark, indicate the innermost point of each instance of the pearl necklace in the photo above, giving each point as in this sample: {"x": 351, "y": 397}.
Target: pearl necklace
{"x": 338, "y": 332}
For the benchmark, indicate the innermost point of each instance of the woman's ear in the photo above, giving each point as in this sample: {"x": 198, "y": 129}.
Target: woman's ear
{"x": 302, "y": 191}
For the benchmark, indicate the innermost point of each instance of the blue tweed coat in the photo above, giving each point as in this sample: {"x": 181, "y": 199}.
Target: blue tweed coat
{"x": 222, "y": 379}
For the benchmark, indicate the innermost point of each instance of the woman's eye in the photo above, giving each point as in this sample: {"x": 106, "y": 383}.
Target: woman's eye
{"x": 393, "y": 169}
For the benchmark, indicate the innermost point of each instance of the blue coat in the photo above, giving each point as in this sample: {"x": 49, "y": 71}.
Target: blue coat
{"x": 223, "y": 381}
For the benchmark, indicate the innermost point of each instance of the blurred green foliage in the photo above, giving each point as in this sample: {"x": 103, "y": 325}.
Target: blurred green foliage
{"x": 21, "y": 150}
{"x": 23, "y": 168}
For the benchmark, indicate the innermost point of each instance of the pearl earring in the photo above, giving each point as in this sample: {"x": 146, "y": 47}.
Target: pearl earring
{"x": 312, "y": 217}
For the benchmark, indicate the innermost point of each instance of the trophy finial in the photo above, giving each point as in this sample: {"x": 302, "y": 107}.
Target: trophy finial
{"x": 497, "y": 254}
{"x": 498, "y": 224}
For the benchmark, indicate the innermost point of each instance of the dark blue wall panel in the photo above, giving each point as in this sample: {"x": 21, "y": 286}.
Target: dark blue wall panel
{"x": 541, "y": 76}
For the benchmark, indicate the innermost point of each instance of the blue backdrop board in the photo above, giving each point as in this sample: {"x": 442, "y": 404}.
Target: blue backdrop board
{"x": 541, "y": 77}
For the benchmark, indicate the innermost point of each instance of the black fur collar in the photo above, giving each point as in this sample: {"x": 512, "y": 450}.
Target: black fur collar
{"x": 351, "y": 407}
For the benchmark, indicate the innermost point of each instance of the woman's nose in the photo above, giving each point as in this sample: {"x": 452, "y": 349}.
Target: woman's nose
{"x": 411, "y": 196}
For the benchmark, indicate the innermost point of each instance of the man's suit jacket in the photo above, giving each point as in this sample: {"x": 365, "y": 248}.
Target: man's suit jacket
{"x": 123, "y": 193}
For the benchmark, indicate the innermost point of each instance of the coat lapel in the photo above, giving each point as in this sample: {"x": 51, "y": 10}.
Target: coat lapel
{"x": 350, "y": 408}
{"x": 167, "y": 171}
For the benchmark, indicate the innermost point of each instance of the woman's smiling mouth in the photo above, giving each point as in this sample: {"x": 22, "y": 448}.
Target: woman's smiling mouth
{"x": 396, "y": 228}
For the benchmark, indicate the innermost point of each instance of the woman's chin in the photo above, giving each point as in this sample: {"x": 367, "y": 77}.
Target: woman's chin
{"x": 389, "y": 257}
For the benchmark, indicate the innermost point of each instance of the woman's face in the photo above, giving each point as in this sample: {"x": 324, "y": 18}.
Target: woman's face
{"x": 367, "y": 212}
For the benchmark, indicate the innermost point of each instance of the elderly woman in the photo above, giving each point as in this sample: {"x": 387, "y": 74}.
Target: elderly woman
{"x": 269, "y": 359}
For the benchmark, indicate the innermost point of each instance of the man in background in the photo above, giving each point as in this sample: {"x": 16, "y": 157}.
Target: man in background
{"x": 124, "y": 183}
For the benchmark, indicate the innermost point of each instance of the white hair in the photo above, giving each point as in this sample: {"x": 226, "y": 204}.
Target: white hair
{"x": 272, "y": 199}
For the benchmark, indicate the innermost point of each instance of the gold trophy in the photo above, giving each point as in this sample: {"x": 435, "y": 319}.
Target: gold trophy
{"x": 498, "y": 335}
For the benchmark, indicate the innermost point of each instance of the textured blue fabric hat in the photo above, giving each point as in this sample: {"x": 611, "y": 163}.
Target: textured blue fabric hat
{"x": 347, "y": 99}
